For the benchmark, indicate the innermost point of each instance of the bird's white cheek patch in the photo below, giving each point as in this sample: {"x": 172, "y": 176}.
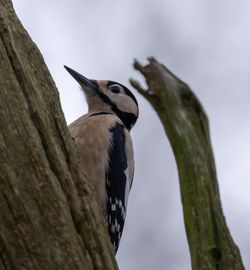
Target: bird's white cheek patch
{"x": 126, "y": 104}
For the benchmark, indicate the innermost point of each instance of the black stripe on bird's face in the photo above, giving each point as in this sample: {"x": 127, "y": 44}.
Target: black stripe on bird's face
{"x": 128, "y": 119}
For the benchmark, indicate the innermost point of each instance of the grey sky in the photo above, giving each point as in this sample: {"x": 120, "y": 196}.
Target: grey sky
{"x": 207, "y": 44}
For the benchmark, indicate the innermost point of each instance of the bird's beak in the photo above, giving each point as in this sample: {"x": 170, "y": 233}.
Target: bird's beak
{"x": 83, "y": 81}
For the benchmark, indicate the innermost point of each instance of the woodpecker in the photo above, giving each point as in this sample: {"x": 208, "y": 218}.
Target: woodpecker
{"x": 105, "y": 147}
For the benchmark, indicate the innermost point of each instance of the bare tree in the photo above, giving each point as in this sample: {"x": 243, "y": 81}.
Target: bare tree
{"x": 49, "y": 218}
{"x": 186, "y": 126}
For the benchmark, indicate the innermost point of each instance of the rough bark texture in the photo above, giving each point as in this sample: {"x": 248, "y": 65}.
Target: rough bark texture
{"x": 49, "y": 218}
{"x": 186, "y": 125}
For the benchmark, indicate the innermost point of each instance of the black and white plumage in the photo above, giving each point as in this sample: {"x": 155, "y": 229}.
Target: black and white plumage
{"x": 105, "y": 146}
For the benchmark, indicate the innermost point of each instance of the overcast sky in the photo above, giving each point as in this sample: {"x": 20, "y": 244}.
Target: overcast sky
{"x": 205, "y": 43}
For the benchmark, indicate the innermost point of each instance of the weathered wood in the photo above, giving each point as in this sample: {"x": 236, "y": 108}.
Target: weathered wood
{"x": 49, "y": 218}
{"x": 186, "y": 125}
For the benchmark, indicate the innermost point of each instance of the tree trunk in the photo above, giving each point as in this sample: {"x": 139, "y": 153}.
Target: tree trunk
{"x": 186, "y": 125}
{"x": 49, "y": 218}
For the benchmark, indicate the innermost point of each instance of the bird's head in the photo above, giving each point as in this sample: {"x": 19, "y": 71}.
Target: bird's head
{"x": 108, "y": 96}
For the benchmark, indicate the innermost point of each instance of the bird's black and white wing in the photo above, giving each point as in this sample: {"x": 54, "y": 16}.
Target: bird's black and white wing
{"x": 119, "y": 178}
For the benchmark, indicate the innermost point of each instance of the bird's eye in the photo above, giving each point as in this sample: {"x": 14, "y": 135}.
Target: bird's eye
{"x": 116, "y": 89}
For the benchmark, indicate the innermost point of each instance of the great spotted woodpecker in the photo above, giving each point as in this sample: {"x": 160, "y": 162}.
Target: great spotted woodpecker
{"x": 105, "y": 146}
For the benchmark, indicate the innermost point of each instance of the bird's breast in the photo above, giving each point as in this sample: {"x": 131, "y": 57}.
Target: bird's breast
{"x": 93, "y": 140}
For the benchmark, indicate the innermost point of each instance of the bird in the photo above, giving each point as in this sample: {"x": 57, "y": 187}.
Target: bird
{"x": 105, "y": 147}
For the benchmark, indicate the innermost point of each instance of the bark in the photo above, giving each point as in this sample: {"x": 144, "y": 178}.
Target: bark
{"x": 49, "y": 218}
{"x": 186, "y": 126}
